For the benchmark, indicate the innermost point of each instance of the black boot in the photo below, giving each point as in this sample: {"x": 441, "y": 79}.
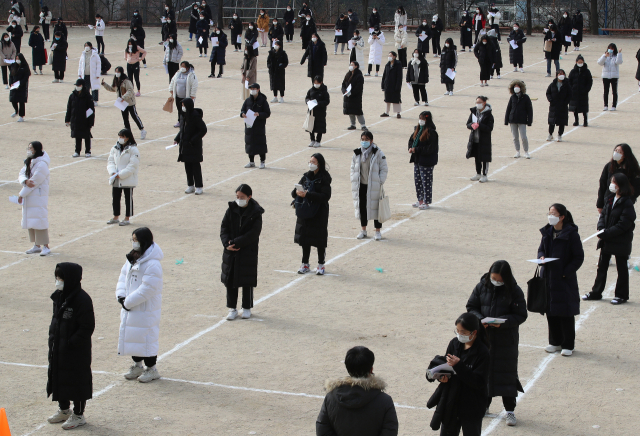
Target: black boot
{"x": 586, "y": 123}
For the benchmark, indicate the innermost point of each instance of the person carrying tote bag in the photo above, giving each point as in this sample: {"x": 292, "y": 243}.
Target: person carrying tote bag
{"x": 384, "y": 210}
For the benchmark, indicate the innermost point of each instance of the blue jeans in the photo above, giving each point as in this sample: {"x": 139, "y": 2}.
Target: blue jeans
{"x": 556, "y": 62}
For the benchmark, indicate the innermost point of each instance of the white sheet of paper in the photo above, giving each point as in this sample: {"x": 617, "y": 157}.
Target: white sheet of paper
{"x": 350, "y": 44}
{"x": 513, "y": 44}
{"x": 542, "y": 262}
{"x": 489, "y": 320}
{"x": 13, "y": 199}
{"x": 9, "y": 61}
{"x": 567, "y": 38}
{"x": 574, "y": 31}
{"x": 593, "y": 236}
{"x": 246, "y": 84}
{"x": 166, "y": 68}
{"x": 120, "y": 104}
{"x": 474, "y": 119}
{"x": 338, "y": 32}
{"x": 348, "y": 90}
{"x": 422, "y": 37}
{"x": 90, "y": 26}
{"x": 214, "y": 40}
{"x": 15, "y": 85}
{"x": 210, "y": 22}
{"x": 545, "y": 30}
{"x": 450, "y": 74}
{"x": 200, "y": 40}
{"x": 273, "y": 44}
{"x": 311, "y": 104}
{"x": 441, "y": 370}
{"x": 293, "y": 21}
{"x": 112, "y": 179}
{"x": 89, "y": 112}
{"x": 256, "y": 45}
{"x": 170, "y": 146}
{"x": 371, "y": 29}
{"x": 409, "y": 85}
{"x": 239, "y": 39}
{"x": 250, "y": 117}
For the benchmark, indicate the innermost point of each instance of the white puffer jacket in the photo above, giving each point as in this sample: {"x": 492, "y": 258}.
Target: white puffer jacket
{"x": 375, "y": 49}
{"x": 610, "y": 64}
{"x": 125, "y": 163}
{"x": 141, "y": 285}
{"x": 100, "y": 27}
{"x": 401, "y": 38}
{"x": 95, "y": 68}
{"x": 377, "y": 176}
{"x": 35, "y": 201}
{"x": 400, "y": 20}
{"x": 358, "y": 46}
{"x": 192, "y": 84}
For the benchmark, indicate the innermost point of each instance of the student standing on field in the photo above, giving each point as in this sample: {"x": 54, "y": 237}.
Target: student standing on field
{"x": 263, "y": 26}
{"x": 423, "y": 31}
{"x": 202, "y": 34}
{"x": 418, "y": 77}
{"x": 400, "y": 38}
{"x": 436, "y": 30}
{"x": 240, "y": 236}
{"x": 320, "y": 94}
{"x": 448, "y": 61}
{"x": 288, "y": 20}
{"x": 558, "y": 96}
{"x": 36, "y": 42}
{"x": 423, "y": 147}
{"x": 236, "y": 31}
{"x": 376, "y": 42}
{"x": 138, "y": 35}
{"x": 352, "y": 99}
{"x": 255, "y": 137}
{"x": 610, "y": 61}
{"x": 357, "y": 49}
{"x": 277, "y": 63}
{"x": 122, "y": 166}
{"x": 172, "y": 55}
{"x": 34, "y": 197}
{"x": 307, "y": 29}
{"x": 59, "y": 51}
{"x": 623, "y": 161}
{"x": 133, "y": 55}
{"x": 62, "y": 28}
{"x": 499, "y": 296}
{"x": 485, "y": 54}
{"x": 9, "y": 52}
{"x": 466, "y": 35}
{"x": 193, "y": 20}
{"x": 79, "y": 105}
{"x": 276, "y": 32}
{"x": 72, "y": 325}
{"x": 249, "y": 71}
{"x": 516, "y": 56}
{"x": 218, "y": 51}
{"x": 392, "y": 85}
{"x": 45, "y": 21}
{"x": 580, "y": 81}
{"x": 183, "y": 85}
{"x": 317, "y": 55}
{"x": 189, "y": 140}
{"x": 480, "y": 123}
{"x": 19, "y": 72}
{"x": 15, "y": 30}
{"x": 100, "y": 26}
{"x": 123, "y": 88}
{"x": 89, "y": 69}
{"x": 342, "y": 26}
{"x": 519, "y": 115}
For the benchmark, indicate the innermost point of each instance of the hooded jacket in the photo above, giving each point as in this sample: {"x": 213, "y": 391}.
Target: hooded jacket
{"x": 352, "y": 102}
{"x": 317, "y": 56}
{"x": 378, "y": 172}
{"x": 426, "y": 152}
{"x": 172, "y": 55}
{"x": 255, "y": 137}
{"x": 580, "y": 81}
{"x": 19, "y": 73}
{"x": 77, "y": 106}
{"x": 8, "y": 52}
{"x": 610, "y": 65}
{"x": 618, "y": 222}
{"x": 220, "y": 50}
{"x": 192, "y": 83}
{"x": 391, "y": 82}
{"x": 124, "y": 160}
{"x": 519, "y": 109}
{"x": 35, "y": 201}
{"x": 516, "y": 56}
{"x": 321, "y": 95}
{"x": 559, "y": 103}
{"x": 277, "y": 63}
{"x": 124, "y": 91}
{"x": 375, "y": 49}
{"x": 314, "y": 231}
{"x": 95, "y": 68}
{"x": 59, "y": 54}
{"x": 481, "y": 149}
{"x": 357, "y": 407}
{"x": 192, "y": 130}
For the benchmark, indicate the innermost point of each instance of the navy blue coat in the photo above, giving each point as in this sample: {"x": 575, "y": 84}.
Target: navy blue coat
{"x": 219, "y": 50}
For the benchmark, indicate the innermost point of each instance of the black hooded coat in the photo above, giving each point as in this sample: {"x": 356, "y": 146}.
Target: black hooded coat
{"x": 192, "y": 130}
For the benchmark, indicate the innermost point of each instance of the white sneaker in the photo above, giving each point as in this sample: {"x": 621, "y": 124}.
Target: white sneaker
{"x": 517, "y": 155}
{"x": 190, "y": 190}
{"x": 74, "y": 421}
{"x": 149, "y": 375}
{"x": 550, "y": 138}
{"x": 281, "y": 100}
{"x": 312, "y": 143}
{"x": 481, "y": 85}
{"x": 233, "y": 314}
{"x": 559, "y": 138}
{"x": 317, "y": 144}
{"x": 21, "y": 120}
{"x": 526, "y": 155}
{"x": 475, "y": 178}
{"x": 484, "y": 179}
{"x": 274, "y": 100}
{"x": 135, "y": 371}
{"x": 446, "y": 93}
{"x": 566, "y": 352}
{"x": 59, "y": 416}
{"x": 33, "y": 250}
{"x": 75, "y": 155}
{"x": 320, "y": 269}
{"x": 362, "y": 234}
{"x": 547, "y": 75}
{"x": 6, "y": 86}
{"x": 450, "y": 92}
{"x": 606, "y": 108}
{"x": 200, "y": 55}
{"x": 522, "y": 70}
{"x": 13, "y": 115}
{"x": 199, "y": 191}
{"x": 304, "y": 268}
{"x": 511, "y": 419}
{"x": 499, "y": 76}
{"x": 246, "y": 313}
{"x": 552, "y": 348}
{"x": 55, "y": 81}
{"x": 426, "y": 103}
{"x": 87, "y": 155}
{"x": 377, "y": 236}
{"x": 613, "y": 108}
{"x": 262, "y": 165}
{"x": 250, "y": 165}
{"x": 515, "y": 70}
{"x": 143, "y": 134}
{"x": 418, "y": 103}
{"x": 45, "y": 251}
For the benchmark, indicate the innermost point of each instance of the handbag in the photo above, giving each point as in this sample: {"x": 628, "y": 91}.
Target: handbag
{"x": 537, "y": 294}
{"x": 168, "y": 106}
{"x": 309, "y": 122}
{"x": 384, "y": 210}
{"x": 50, "y": 60}
{"x": 548, "y": 44}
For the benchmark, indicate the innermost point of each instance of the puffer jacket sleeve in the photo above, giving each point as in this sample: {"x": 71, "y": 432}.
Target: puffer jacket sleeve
{"x": 602, "y": 59}
{"x": 529, "y": 111}
{"x": 603, "y": 186}
{"x": 129, "y": 95}
{"x": 108, "y": 87}
{"x": 474, "y": 304}
{"x": 390, "y": 421}
{"x": 194, "y": 85}
{"x": 150, "y": 286}
{"x": 121, "y": 287}
{"x": 384, "y": 170}
{"x": 252, "y": 236}
{"x": 40, "y": 171}
{"x": 180, "y": 51}
{"x": 111, "y": 162}
{"x": 475, "y": 378}
{"x": 618, "y": 59}
{"x": 224, "y": 228}
{"x": 132, "y": 166}
{"x": 86, "y": 324}
{"x": 577, "y": 253}
{"x": 518, "y": 307}
{"x": 507, "y": 112}
{"x": 323, "y": 422}
{"x": 22, "y": 177}
{"x": 624, "y": 224}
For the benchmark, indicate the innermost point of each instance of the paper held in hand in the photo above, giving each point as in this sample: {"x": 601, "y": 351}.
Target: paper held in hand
{"x": 489, "y": 320}
{"x": 513, "y": 44}
{"x": 474, "y": 119}
{"x": 543, "y": 261}
{"x": 90, "y": 26}
{"x": 256, "y": 45}
{"x": 311, "y": 104}
{"x": 214, "y": 40}
{"x": 338, "y": 32}
{"x": 15, "y": 85}
{"x": 9, "y": 61}
{"x": 574, "y": 31}
{"x": 112, "y": 178}
{"x": 350, "y": 44}
{"x": 120, "y": 104}
{"x": 239, "y": 39}
{"x": 409, "y": 85}
{"x": 246, "y": 84}
{"x": 450, "y": 74}
{"x": 567, "y": 38}
{"x": 250, "y": 117}
{"x": 89, "y": 112}
{"x": 371, "y": 29}
{"x": 200, "y": 40}
{"x": 422, "y": 37}
{"x": 348, "y": 90}
{"x": 440, "y": 370}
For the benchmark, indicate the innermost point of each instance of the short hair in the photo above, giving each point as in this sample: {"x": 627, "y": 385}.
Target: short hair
{"x": 359, "y": 361}
{"x": 317, "y": 79}
{"x": 245, "y": 189}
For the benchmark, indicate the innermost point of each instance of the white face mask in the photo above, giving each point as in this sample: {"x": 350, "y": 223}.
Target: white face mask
{"x": 78, "y": 88}
{"x": 59, "y": 285}
{"x": 118, "y": 74}
{"x": 515, "y": 28}
{"x": 276, "y": 47}
{"x": 516, "y": 89}
{"x": 183, "y": 70}
{"x": 135, "y": 245}
{"x": 121, "y": 141}
{"x": 275, "y": 23}
{"x": 580, "y": 65}
{"x": 87, "y": 49}
{"x": 422, "y": 122}
{"x": 313, "y": 167}
{"x": 553, "y": 220}
{"x": 616, "y": 156}
{"x": 561, "y": 77}
{"x": 565, "y": 15}
{"x": 479, "y": 106}
{"x": 390, "y": 59}
{"x": 18, "y": 61}
{"x": 424, "y": 23}
{"x": 446, "y": 44}
{"x": 6, "y": 39}
{"x": 250, "y": 27}
{"x": 253, "y": 92}
{"x": 308, "y": 18}
{"x": 314, "y": 39}
{"x": 29, "y": 153}
{"x": 365, "y": 144}
{"x": 316, "y": 85}
{"x": 463, "y": 338}
{"x": 613, "y": 187}
{"x": 235, "y": 17}
{"x": 351, "y": 67}
{"x": 184, "y": 109}
{"x": 241, "y": 203}
{"x": 288, "y": 9}
{"x": 496, "y": 283}
{"x": 415, "y": 55}
{"x": 171, "y": 41}
{"x": 484, "y": 42}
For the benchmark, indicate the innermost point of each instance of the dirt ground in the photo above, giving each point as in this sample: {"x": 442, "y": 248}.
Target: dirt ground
{"x": 265, "y": 376}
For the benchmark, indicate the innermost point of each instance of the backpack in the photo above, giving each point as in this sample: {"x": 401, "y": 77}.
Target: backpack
{"x": 306, "y": 208}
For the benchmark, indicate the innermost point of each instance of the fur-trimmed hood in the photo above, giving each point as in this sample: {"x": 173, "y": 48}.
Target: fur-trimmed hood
{"x": 355, "y": 393}
{"x": 366, "y": 383}
{"x": 520, "y": 83}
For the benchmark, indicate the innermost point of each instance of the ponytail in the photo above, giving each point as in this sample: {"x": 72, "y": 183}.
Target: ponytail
{"x": 471, "y": 323}
{"x": 562, "y": 210}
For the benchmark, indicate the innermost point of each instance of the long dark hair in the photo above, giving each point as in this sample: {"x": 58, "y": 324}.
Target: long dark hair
{"x": 145, "y": 238}
{"x": 117, "y": 81}
{"x": 452, "y": 46}
{"x": 23, "y": 64}
{"x": 6, "y": 43}
{"x": 471, "y": 323}
{"x": 37, "y": 146}
{"x": 624, "y": 186}
{"x": 428, "y": 125}
{"x": 134, "y": 46}
{"x": 322, "y": 163}
{"x": 614, "y": 47}
{"x": 562, "y": 210}
{"x": 629, "y": 162}
{"x": 503, "y": 268}
{"x": 174, "y": 44}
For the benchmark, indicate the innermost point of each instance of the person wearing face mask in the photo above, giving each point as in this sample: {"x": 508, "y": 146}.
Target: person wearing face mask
{"x": 617, "y": 221}
{"x": 139, "y": 293}
{"x": 288, "y": 19}
{"x": 38, "y": 52}
{"x": 368, "y": 174}
{"x": 240, "y": 236}
{"x": 45, "y": 21}
{"x": 172, "y": 55}
{"x": 497, "y": 295}
{"x": 558, "y": 95}
{"x": 317, "y": 55}
{"x": 312, "y": 212}
{"x": 392, "y": 85}
{"x": 399, "y": 18}
{"x": 461, "y": 399}
{"x": 580, "y": 81}
{"x": 418, "y": 77}
{"x": 423, "y": 147}
{"x": 189, "y": 140}
{"x": 479, "y": 23}
{"x": 76, "y": 118}
{"x": 263, "y": 25}
{"x": 374, "y": 19}
{"x": 486, "y": 55}
{"x": 218, "y": 51}
{"x": 357, "y": 48}
{"x": 436, "y": 30}
{"x": 122, "y": 165}
{"x": 424, "y": 33}
{"x": 193, "y": 20}
{"x": 494, "y": 42}
{"x": 138, "y": 35}
{"x": 123, "y": 88}
{"x": 59, "y": 53}
{"x": 248, "y": 70}
{"x": 184, "y": 84}
{"x": 353, "y": 19}
{"x": 610, "y": 61}
{"x": 255, "y": 137}
{"x": 15, "y": 31}
{"x": 552, "y": 48}
{"x": 516, "y": 56}
{"x": 400, "y": 38}
{"x": 376, "y": 43}
{"x": 136, "y": 20}
{"x": 202, "y": 34}
{"x": 448, "y": 61}
{"x": 235, "y": 25}
{"x": 466, "y": 26}
{"x": 89, "y": 69}
{"x": 250, "y": 38}
{"x": 133, "y": 55}
{"x": 578, "y": 24}
{"x": 34, "y": 197}
{"x": 62, "y": 28}
{"x": 565, "y": 25}
{"x": 276, "y": 32}
{"x": 318, "y": 93}
{"x": 519, "y": 115}
{"x": 352, "y": 99}
{"x": 69, "y": 377}
{"x": 8, "y": 51}
{"x": 480, "y": 123}
{"x": 99, "y": 31}
{"x": 305, "y": 11}
{"x": 277, "y": 63}
{"x": 625, "y": 162}
{"x": 19, "y": 72}
{"x": 168, "y": 23}
{"x": 342, "y": 26}
{"x": 307, "y": 30}
{"x": 493, "y": 20}
{"x": 560, "y": 240}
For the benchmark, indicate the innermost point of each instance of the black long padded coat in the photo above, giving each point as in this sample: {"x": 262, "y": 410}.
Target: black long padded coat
{"x": 493, "y": 301}
{"x": 580, "y": 81}
{"x": 317, "y": 59}
{"x": 426, "y": 151}
{"x": 447, "y": 61}
{"x": 423, "y": 75}
{"x": 565, "y": 25}
{"x": 556, "y": 46}
{"x": 344, "y": 26}
{"x": 497, "y": 53}
{"x": 193, "y": 20}
{"x": 36, "y": 42}
{"x": 241, "y": 227}
{"x": 220, "y": 50}
{"x": 236, "y": 30}
{"x": 481, "y": 149}
{"x": 321, "y": 95}
{"x": 561, "y": 275}
{"x": 60, "y": 55}
{"x": 486, "y": 58}
{"x": 255, "y": 137}
{"x": 638, "y": 68}
{"x": 423, "y": 46}
{"x": 69, "y": 375}
{"x": 558, "y": 103}
{"x": 19, "y": 73}
{"x": 466, "y": 32}
{"x": 277, "y": 62}
{"x": 516, "y": 56}
{"x": 314, "y": 231}
{"x": 352, "y": 104}
{"x": 618, "y": 221}
{"x": 605, "y": 179}
{"x": 77, "y": 106}
{"x": 192, "y": 130}
{"x": 391, "y": 82}
{"x": 202, "y": 31}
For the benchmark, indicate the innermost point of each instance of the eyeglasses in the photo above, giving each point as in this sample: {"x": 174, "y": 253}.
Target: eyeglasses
{"x": 456, "y": 332}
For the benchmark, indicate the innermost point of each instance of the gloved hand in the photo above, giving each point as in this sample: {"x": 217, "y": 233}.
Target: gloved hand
{"x": 121, "y": 301}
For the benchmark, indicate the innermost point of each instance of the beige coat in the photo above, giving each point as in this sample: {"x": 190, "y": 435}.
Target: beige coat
{"x": 7, "y": 53}
{"x": 251, "y": 75}
{"x": 263, "y": 22}
{"x": 126, "y": 91}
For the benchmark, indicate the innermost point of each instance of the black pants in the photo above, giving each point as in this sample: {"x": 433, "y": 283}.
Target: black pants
{"x": 435, "y": 45}
{"x": 203, "y": 48}
{"x": 213, "y": 68}
{"x": 622, "y": 284}
{"x": 45, "y": 31}
{"x": 497, "y": 70}
{"x": 552, "y": 128}
{"x": 371, "y": 67}
{"x": 481, "y": 167}
{"x": 173, "y": 68}
{"x": 263, "y": 157}
{"x": 131, "y": 110}
{"x": 449, "y": 86}
{"x": 100, "y": 42}
{"x": 496, "y": 27}
{"x": 179, "y": 106}
{"x": 5, "y": 78}
{"x": 419, "y": 90}
{"x": 18, "y": 108}
{"x": 562, "y": 331}
{"x": 148, "y": 361}
{"x": 469, "y": 427}
{"x": 87, "y": 144}
{"x": 133, "y": 72}
{"x": 289, "y": 35}
{"x": 59, "y": 75}
{"x": 116, "y": 193}
{"x": 614, "y": 91}
{"x": 194, "y": 174}
{"x": 509, "y": 403}
{"x": 584, "y": 115}
{"x": 87, "y": 82}
{"x": 362, "y": 193}
{"x": 306, "y": 254}
{"x": 576, "y": 43}
{"x": 275, "y": 93}
{"x": 78, "y": 406}
{"x": 477, "y": 33}
{"x": 317, "y": 138}
{"x": 247, "y": 297}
